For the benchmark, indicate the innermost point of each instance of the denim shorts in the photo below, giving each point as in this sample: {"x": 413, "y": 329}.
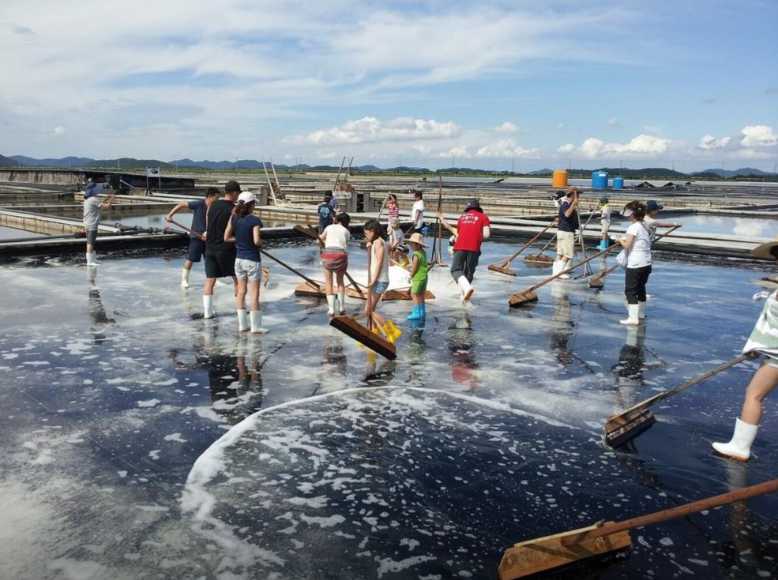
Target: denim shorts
{"x": 380, "y": 287}
{"x": 248, "y": 269}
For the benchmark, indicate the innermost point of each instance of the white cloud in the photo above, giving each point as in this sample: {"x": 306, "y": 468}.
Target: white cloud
{"x": 709, "y": 142}
{"x": 374, "y": 130}
{"x": 758, "y": 136}
{"x": 459, "y": 152}
{"x": 642, "y": 145}
{"x": 566, "y": 148}
{"x": 507, "y": 127}
{"x": 59, "y": 130}
{"x": 506, "y": 148}
{"x": 614, "y": 122}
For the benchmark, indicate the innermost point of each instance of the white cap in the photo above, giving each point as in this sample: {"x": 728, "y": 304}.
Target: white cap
{"x": 247, "y": 197}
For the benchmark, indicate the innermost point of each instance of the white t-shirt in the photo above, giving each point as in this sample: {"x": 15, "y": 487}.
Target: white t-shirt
{"x": 651, "y": 225}
{"x": 336, "y": 236}
{"x": 640, "y": 253}
{"x": 418, "y": 211}
{"x": 605, "y": 218}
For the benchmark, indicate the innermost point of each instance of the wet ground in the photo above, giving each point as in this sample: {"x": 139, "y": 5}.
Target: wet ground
{"x": 119, "y": 458}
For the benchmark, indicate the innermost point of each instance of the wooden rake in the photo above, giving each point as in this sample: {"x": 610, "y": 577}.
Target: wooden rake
{"x": 629, "y": 424}
{"x": 529, "y": 295}
{"x": 563, "y": 549}
{"x": 503, "y": 267}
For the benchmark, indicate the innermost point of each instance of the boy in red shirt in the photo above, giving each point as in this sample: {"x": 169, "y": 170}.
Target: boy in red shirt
{"x": 472, "y": 229}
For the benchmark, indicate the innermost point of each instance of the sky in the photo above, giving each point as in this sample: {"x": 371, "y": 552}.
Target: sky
{"x": 493, "y": 84}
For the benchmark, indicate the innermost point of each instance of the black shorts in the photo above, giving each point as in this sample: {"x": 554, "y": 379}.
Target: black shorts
{"x": 220, "y": 264}
{"x": 91, "y": 237}
{"x": 196, "y": 249}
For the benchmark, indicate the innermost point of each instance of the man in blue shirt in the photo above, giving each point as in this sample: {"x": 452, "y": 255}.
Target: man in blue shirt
{"x": 199, "y": 209}
{"x": 326, "y": 212}
{"x": 565, "y": 237}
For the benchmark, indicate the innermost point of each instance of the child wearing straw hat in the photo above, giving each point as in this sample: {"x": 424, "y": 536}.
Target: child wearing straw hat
{"x": 763, "y": 340}
{"x": 419, "y": 275}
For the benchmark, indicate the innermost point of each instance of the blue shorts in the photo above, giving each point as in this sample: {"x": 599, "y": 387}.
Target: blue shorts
{"x": 380, "y": 287}
{"x": 196, "y": 249}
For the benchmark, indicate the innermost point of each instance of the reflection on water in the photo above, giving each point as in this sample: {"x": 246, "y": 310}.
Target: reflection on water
{"x": 723, "y": 225}
{"x": 7, "y": 233}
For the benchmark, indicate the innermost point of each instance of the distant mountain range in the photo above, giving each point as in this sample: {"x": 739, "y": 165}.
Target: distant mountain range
{"x": 130, "y": 163}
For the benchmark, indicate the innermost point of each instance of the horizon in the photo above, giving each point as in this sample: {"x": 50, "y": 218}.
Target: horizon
{"x": 497, "y": 87}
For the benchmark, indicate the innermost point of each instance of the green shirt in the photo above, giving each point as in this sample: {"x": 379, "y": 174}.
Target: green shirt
{"x": 421, "y": 271}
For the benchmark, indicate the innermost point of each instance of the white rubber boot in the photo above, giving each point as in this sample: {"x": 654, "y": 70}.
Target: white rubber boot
{"x": 243, "y": 320}
{"x": 562, "y": 268}
{"x": 632, "y": 318}
{"x": 256, "y": 322}
{"x": 91, "y": 258}
{"x": 555, "y": 267}
{"x": 642, "y": 310}
{"x": 185, "y": 278}
{"x": 331, "y": 304}
{"x": 208, "y": 311}
{"x": 342, "y": 302}
{"x": 739, "y": 447}
{"x": 465, "y": 287}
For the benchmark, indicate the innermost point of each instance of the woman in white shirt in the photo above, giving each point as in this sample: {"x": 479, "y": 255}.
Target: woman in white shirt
{"x": 637, "y": 248}
{"x": 334, "y": 258}
{"x": 417, "y": 213}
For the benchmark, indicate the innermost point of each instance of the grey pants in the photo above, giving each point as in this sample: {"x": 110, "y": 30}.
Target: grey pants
{"x": 464, "y": 264}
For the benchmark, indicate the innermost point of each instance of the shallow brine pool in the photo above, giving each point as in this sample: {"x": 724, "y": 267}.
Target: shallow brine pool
{"x": 139, "y": 440}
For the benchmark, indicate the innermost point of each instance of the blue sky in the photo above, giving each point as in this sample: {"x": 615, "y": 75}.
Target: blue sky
{"x": 495, "y": 84}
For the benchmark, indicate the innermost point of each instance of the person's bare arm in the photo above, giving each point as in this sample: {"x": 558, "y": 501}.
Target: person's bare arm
{"x": 572, "y": 207}
{"x": 177, "y": 208}
{"x": 627, "y": 241}
{"x": 447, "y": 225}
{"x": 415, "y": 265}
{"x": 257, "y": 235}
{"x": 228, "y": 234}
{"x": 486, "y": 231}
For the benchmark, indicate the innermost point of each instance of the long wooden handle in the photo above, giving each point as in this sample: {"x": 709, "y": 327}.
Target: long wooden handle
{"x": 611, "y": 269}
{"x": 354, "y": 284}
{"x": 288, "y": 267}
{"x": 544, "y": 248}
{"x": 528, "y": 244}
{"x": 690, "y": 383}
{"x": 686, "y": 509}
{"x": 573, "y": 267}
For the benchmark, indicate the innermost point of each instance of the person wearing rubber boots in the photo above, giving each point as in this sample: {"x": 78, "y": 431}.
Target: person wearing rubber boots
{"x": 764, "y": 341}
{"x": 605, "y": 223}
{"x": 472, "y": 229}
{"x": 565, "y": 237}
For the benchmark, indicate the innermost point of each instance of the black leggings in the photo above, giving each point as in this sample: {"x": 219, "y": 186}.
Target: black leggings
{"x": 635, "y": 281}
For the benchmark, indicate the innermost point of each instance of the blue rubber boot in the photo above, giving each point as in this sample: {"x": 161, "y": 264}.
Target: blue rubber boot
{"x": 423, "y": 311}
{"x": 415, "y": 314}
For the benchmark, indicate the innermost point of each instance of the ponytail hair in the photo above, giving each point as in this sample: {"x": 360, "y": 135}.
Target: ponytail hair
{"x": 244, "y": 209}
{"x": 635, "y": 209}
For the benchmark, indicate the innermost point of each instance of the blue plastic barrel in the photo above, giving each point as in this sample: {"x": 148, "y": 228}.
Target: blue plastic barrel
{"x": 618, "y": 183}
{"x": 599, "y": 180}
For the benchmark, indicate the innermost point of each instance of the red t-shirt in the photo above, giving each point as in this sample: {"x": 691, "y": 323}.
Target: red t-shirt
{"x": 470, "y": 232}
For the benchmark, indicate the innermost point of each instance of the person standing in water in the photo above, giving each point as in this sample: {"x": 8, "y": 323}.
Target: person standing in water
{"x": 417, "y": 213}
{"x": 199, "y": 209}
{"x": 92, "y": 207}
{"x": 652, "y": 211}
{"x": 377, "y": 271}
{"x": 244, "y": 229}
{"x": 637, "y": 261}
{"x": 764, "y": 341}
{"x": 605, "y": 223}
{"x": 565, "y": 237}
{"x": 334, "y": 259}
{"x": 472, "y": 229}
{"x": 325, "y": 212}
{"x": 419, "y": 275}
{"x": 219, "y": 254}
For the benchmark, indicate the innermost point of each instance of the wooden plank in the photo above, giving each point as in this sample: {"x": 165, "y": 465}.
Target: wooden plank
{"x": 347, "y": 325}
{"x": 527, "y": 558}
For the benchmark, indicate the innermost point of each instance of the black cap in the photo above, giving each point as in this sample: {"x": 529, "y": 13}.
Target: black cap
{"x": 232, "y": 186}
{"x": 473, "y": 204}
{"x": 652, "y": 205}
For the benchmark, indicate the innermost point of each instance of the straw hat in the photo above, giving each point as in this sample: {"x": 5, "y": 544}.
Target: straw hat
{"x": 417, "y": 239}
{"x": 766, "y": 250}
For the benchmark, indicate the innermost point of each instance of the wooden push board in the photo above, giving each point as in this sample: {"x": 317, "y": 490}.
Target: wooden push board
{"x": 347, "y": 325}
{"x": 306, "y": 289}
{"x": 533, "y": 556}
